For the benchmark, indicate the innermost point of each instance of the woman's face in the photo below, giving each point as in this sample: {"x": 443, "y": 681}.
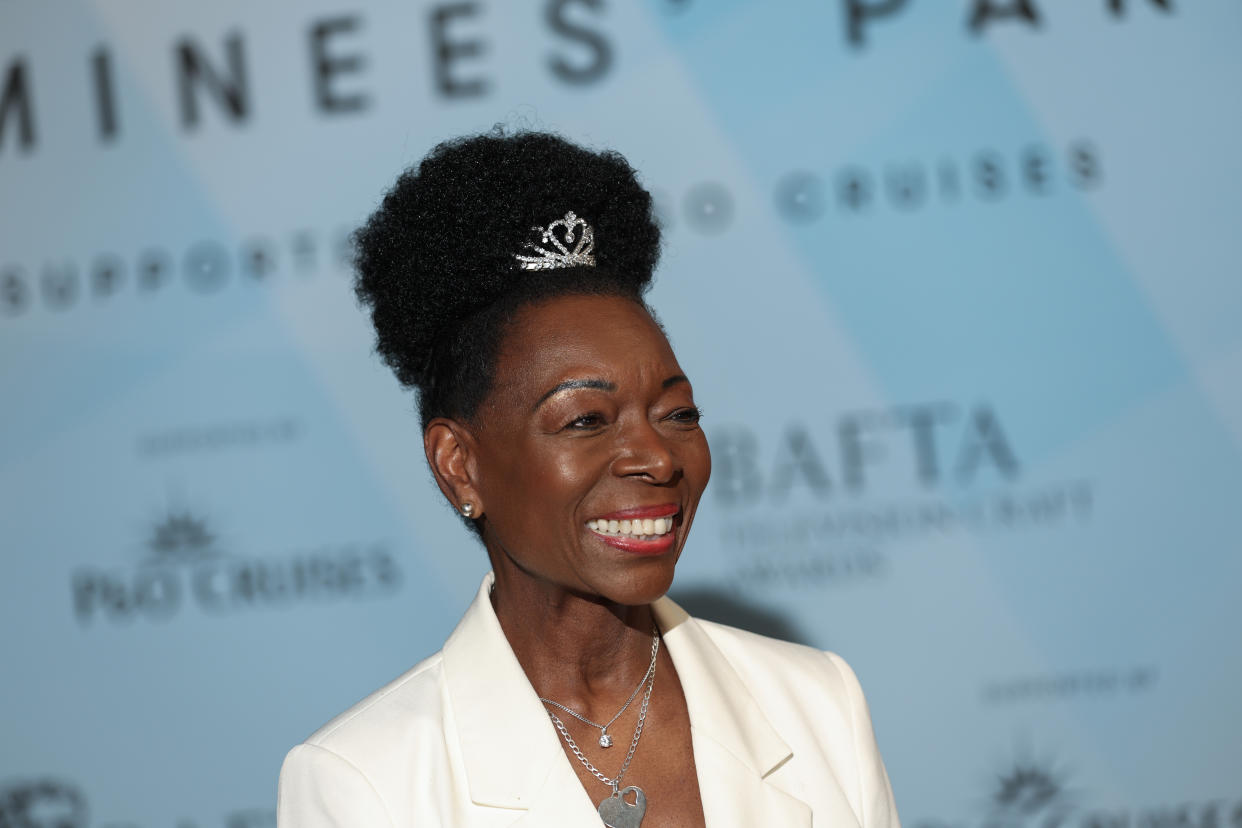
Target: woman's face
{"x": 589, "y": 460}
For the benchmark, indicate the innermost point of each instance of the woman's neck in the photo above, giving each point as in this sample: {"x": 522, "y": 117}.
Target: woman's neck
{"x": 579, "y": 650}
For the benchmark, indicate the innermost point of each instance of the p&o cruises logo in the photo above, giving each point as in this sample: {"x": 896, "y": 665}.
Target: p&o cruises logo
{"x": 1035, "y": 794}
{"x": 187, "y": 565}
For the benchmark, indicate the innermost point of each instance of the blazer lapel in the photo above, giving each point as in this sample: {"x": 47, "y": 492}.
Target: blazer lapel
{"x": 561, "y": 801}
{"x": 511, "y": 753}
{"x": 735, "y": 746}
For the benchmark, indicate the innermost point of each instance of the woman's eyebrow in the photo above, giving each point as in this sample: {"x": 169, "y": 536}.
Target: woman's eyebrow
{"x": 673, "y": 380}
{"x": 602, "y": 385}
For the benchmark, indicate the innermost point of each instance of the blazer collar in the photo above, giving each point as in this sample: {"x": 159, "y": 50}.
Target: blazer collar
{"x": 735, "y": 746}
{"x": 513, "y": 758}
{"x": 508, "y": 746}
{"x": 722, "y": 709}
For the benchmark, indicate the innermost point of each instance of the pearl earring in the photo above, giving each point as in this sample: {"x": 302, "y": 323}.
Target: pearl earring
{"x": 467, "y": 509}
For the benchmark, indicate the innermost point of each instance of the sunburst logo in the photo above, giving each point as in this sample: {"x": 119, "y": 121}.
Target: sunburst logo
{"x": 1028, "y": 791}
{"x": 181, "y": 538}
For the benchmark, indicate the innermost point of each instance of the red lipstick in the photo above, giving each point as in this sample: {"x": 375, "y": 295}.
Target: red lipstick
{"x": 655, "y": 546}
{"x": 634, "y": 542}
{"x": 643, "y": 512}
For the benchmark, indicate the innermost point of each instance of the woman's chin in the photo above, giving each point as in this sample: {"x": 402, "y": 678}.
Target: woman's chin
{"x": 642, "y": 587}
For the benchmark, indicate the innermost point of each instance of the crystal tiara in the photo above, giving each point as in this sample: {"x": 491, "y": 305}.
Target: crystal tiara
{"x": 559, "y": 254}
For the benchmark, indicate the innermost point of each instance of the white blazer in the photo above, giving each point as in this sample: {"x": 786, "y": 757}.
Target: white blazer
{"x": 781, "y": 737}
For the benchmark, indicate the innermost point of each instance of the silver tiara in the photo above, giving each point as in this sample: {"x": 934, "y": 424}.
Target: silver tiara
{"x": 548, "y": 258}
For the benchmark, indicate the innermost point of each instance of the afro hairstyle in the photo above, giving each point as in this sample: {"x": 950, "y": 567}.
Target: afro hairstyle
{"x": 435, "y": 262}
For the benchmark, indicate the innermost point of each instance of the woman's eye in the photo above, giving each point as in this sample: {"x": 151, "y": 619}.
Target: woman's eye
{"x": 687, "y": 416}
{"x": 587, "y": 421}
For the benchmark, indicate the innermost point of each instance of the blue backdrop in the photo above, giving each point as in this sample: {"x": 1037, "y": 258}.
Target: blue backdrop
{"x": 957, "y": 283}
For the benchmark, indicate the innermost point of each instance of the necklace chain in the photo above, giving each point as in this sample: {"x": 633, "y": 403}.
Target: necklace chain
{"x": 605, "y": 740}
{"x": 649, "y": 681}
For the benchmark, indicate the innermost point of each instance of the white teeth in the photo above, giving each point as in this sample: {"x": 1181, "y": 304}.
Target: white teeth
{"x": 644, "y": 529}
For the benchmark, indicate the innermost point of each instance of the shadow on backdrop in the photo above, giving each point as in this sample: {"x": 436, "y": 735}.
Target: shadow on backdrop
{"x": 725, "y": 607}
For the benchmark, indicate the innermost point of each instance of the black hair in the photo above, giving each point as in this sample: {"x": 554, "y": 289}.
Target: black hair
{"x": 435, "y": 262}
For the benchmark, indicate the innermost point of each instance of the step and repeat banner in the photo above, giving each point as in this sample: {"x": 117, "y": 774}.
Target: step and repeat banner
{"x": 959, "y": 285}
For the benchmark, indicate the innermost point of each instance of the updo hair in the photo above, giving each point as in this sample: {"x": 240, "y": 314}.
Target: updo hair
{"x": 435, "y": 262}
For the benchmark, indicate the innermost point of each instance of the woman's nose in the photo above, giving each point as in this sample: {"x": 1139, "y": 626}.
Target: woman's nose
{"x": 645, "y": 452}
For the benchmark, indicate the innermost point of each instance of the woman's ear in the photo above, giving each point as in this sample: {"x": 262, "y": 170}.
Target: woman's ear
{"x": 449, "y": 446}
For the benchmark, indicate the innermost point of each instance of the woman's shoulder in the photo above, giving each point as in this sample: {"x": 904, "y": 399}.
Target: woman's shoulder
{"x": 374, "y": 759}
{"x": 411, "y": 702}
{"x": 763, "y": 658}
{"x": 804, "y": 691}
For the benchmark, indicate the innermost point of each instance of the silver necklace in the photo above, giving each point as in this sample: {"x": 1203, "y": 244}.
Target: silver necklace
{"x": 605, "y": 740}
{"x": 614, "y": 809}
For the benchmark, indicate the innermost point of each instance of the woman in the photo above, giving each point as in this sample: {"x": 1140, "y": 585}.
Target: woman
{"x": 505, "y": 277}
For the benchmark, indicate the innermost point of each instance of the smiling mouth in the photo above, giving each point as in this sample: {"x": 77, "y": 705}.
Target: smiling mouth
{"x": 640, "y": 529}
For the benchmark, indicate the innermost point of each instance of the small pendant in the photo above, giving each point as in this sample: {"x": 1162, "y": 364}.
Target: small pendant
{"x": 617, "y": 813}
{"x": 604, "y": 739}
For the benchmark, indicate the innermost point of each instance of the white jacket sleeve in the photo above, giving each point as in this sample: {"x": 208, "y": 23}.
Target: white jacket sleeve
{"x": 879, "y": 807}
{"x": 319, "y": 789}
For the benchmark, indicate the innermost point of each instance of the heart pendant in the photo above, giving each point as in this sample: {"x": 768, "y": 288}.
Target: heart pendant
{"x": 617, "y": 813}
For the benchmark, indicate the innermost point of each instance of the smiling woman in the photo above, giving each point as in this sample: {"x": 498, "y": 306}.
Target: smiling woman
{"x": 591, "y": 421}
{"x": 505, "y": 277}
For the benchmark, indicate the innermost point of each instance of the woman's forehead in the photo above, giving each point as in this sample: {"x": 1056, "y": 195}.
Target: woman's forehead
{"x": 581, "y": 338}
